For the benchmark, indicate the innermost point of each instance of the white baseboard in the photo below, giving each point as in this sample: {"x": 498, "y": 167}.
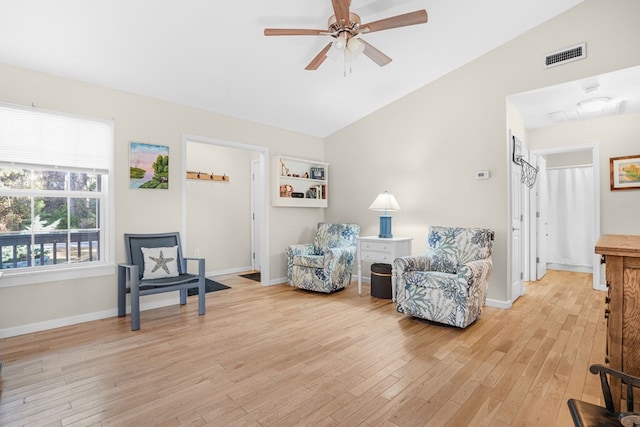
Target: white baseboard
{"x": 56, "y": 323}
{"x": 572, "y": 268}
{"x": 81, "y": 318}
{"x": 278, "y": 281}
{"x": 499, "y": 303}
{"x": 228, "y": 271}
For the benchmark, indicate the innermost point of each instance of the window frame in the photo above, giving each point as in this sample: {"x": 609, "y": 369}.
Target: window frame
{"x": 74, "y": 270}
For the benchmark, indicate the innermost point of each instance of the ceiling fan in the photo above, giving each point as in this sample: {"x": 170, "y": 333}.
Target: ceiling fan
{"x": 345, "y": 27}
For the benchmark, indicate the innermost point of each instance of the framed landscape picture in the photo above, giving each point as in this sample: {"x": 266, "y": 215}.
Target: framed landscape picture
{"x": 148, "y": 166}
{"x": 625, "y": 172}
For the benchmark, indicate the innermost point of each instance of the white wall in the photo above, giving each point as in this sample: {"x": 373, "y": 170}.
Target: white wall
{"x": 615, "y": 136}
{"x": 425, "y": 147}
{"x": 137, "y": 118}
{"x": 219, "y": 212}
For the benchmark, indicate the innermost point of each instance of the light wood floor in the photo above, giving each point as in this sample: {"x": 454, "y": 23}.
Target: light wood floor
{"x": 279, "y": 356}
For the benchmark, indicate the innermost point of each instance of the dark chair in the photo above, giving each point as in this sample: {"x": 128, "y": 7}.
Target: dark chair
{"x": 166, "y": 270}
{"x": 587, "y": 414}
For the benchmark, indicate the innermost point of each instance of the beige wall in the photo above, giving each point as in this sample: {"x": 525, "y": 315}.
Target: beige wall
{"x": 218, "y": 212}
{"x": 137, "y": 118}
{"x": 558, "y": 160}
{"x": 425, "y": 147}
{"x": 615, "y": 136}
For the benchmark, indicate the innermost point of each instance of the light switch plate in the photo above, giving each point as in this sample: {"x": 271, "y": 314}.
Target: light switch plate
{"x": 482, "y": 174}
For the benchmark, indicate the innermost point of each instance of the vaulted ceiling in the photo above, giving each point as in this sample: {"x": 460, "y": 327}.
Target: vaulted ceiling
{"x": 213, "y": 54}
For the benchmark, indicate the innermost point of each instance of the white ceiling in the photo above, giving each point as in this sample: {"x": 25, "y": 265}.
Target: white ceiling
{"x": 212, "y": 54}
{"x": 558, "y": 104}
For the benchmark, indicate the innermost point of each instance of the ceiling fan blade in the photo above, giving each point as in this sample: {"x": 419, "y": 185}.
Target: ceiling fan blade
{"x": 341, "y": 11}
{"x": 319, "y": 59}
{"x": 375, "y": 55}
{"x": 411, "y": 18}
{"x": 294, "y": 32}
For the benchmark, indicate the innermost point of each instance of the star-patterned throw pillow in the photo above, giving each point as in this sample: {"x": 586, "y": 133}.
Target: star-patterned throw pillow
{"x": 160, "y": 262}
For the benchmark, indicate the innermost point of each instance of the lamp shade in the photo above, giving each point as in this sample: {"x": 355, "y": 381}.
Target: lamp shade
{"x": 385, "y": 202}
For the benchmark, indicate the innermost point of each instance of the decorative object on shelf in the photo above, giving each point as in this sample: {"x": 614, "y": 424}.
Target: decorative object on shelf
{"x": 624, "y": 172}
{"x": 148, "y": 166}
{"x": 207, "y": 176}
{"x": 529, "y": 172}
{"x": 284, "y": 171}
{"x": 286, "y": 190}
{"x": 292, "y": 174}
{"x": 297, "y": 195}
{"x": 317, "y": 173}
{"x": 387, "y": 203}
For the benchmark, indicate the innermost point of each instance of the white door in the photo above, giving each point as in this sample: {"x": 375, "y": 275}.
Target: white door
{"x": 256, "y": 217}
{"x": 542, "y": 223}
{"x": 517, "y": 241}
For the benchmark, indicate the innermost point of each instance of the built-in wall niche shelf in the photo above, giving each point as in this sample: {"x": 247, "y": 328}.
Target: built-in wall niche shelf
{"x": 299, "y": 182}
{"x": 207, "y": 176}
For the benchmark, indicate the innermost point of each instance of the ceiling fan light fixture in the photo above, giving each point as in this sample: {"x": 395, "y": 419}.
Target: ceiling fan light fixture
{"x": 593, "y": 105}
{"x": 340, "y": 43}
{"x": 355, "y": 46}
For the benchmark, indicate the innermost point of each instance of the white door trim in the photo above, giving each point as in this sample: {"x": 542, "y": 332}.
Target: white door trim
{"x": 256, "y": 219}
{"x": 516, "y": 286}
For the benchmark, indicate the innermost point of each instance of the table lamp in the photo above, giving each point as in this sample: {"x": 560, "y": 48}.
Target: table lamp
{"x": 385, "y": 202}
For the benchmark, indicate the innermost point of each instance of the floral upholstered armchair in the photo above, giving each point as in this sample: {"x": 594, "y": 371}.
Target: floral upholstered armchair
{"x": 327, "y": 264}
{"x": 448, "y": 284}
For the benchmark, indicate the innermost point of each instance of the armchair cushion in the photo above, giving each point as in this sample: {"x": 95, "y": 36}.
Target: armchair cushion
{"x": 448, "y": 284}
{"x": 160, "y": 262}
{"x": 314, "y": 261}
{"x": 450, "y": 247}
{"x": 327, "y": 264}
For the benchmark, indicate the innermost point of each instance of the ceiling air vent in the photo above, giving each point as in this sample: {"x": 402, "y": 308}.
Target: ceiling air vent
{"x": 566, "y": 55}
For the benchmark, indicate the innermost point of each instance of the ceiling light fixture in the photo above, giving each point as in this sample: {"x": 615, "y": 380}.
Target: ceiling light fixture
{"x": 593, "y": 105}
{"x": 347, "y": 48}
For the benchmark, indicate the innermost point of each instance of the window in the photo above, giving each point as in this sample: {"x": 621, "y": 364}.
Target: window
{"x": 54, "y": 199}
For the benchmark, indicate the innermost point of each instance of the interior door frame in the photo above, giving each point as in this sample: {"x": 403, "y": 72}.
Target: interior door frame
{"x": 261, "y": 185}
{"x": 595, "y": 159}
{"x": 535, "y": 210}
{"x": 516, "y": 288}
{"x": 257, "y": 223}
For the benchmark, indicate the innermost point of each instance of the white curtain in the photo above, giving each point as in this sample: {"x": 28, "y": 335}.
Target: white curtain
{"x": 570, "y": 216}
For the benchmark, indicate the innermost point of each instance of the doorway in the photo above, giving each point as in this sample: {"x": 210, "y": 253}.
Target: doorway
{"x": 586, "y": 166}
{"x": 257, "y": 210}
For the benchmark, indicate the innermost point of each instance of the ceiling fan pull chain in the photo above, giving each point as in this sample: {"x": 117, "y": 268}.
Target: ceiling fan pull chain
{"x": 344, "y": 64}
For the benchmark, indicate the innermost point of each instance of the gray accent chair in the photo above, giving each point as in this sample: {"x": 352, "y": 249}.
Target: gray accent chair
{"x": 130, "y": 275}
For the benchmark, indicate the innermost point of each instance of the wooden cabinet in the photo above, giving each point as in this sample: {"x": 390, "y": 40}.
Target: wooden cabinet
{"x": 621, "y": 254}
{"x": 300, "y": 182}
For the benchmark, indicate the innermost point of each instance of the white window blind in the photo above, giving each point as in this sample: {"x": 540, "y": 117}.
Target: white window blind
{"x": 40, "y": 137}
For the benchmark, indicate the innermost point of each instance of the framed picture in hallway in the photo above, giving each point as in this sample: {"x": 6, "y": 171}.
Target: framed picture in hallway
{"x": 625, "y": 172}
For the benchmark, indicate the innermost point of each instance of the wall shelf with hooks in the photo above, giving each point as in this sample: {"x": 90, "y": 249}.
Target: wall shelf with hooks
{"x": 207, "y": 176}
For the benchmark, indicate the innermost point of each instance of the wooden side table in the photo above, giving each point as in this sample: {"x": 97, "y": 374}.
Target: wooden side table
{"x": 378, "y": 249}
